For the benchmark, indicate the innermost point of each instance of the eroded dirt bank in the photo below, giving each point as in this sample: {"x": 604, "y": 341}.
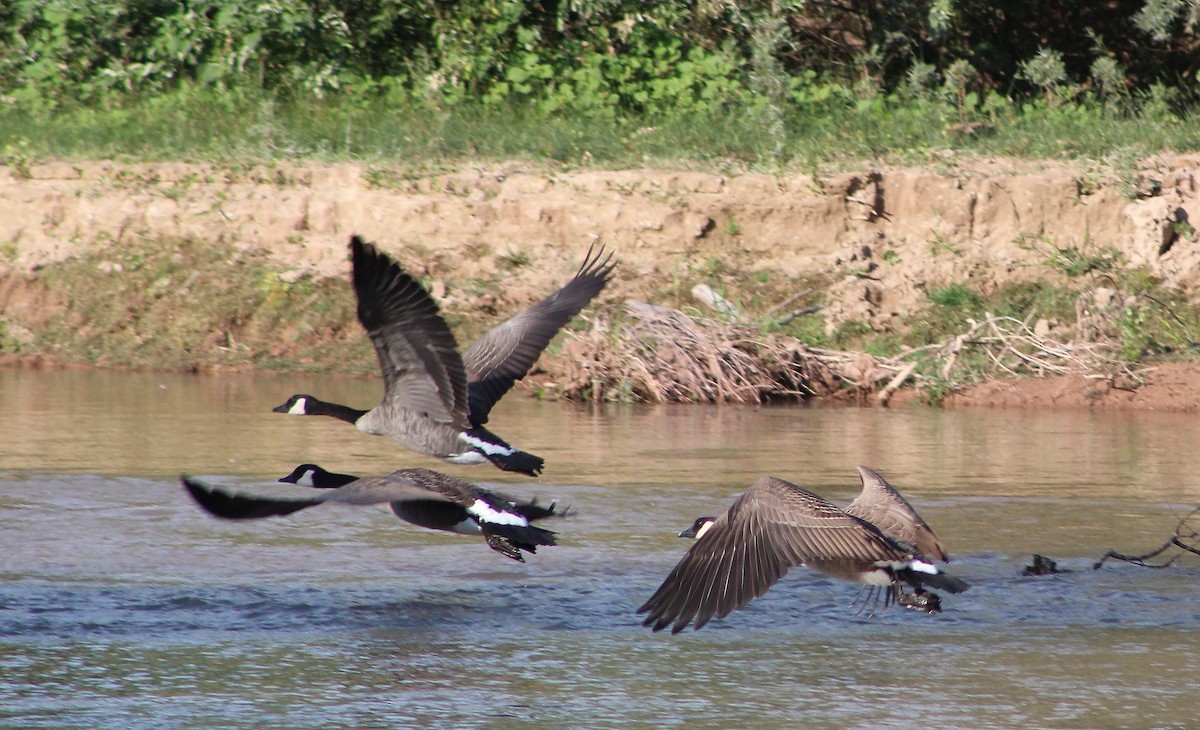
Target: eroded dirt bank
{"x": 870, "y": 245}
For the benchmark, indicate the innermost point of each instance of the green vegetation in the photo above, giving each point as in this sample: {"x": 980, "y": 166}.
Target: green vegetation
{"x": 195, "y": 124}
{"x": 181, "y": 305}
{"x": 949, "y": 313}
{"x": 614, "y": 83}
{"x": 1072, "y": 260}
{"x": 1099, "y": 313}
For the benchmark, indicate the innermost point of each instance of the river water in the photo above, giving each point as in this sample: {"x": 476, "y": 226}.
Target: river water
{"x": 122, "y": 605}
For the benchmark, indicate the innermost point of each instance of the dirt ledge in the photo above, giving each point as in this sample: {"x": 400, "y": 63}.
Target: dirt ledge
{"x": 1168, "y": 387}
{"x": 492, "y": 239}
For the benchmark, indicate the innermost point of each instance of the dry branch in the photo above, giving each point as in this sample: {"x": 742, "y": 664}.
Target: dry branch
{"x": 660, "y": 354}
{"x": 1185, "y": 538}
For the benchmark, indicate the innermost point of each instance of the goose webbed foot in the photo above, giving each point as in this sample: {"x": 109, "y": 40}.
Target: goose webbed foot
{"x": 919, "y": 600}
{"x": 869, "y": 598}
{"x": 505, "y": 547}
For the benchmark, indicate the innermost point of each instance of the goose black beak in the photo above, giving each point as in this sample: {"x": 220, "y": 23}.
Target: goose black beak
{"x": 283, "y": 408}
{"x": 698, "y": 528}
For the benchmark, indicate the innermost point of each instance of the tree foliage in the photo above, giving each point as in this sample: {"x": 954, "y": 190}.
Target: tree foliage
{"x": 602, "y": 56}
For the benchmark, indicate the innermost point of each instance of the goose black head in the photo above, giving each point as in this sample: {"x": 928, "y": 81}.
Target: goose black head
{"x": 297, "y": 405}
{"x": 698, "y": 528}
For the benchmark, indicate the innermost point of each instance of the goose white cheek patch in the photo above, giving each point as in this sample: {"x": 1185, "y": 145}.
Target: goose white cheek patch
{"x": 298, "y": 408}
{"x": 484, "y": 511}
{"x": 307, "y": 479}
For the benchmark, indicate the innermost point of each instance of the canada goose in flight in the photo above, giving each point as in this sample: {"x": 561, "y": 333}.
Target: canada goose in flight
{"x": 775, "y": 525}
{"x": 311, "y": 475}
{"x": 424, "y": 497}
{"x": 435, "y": 400}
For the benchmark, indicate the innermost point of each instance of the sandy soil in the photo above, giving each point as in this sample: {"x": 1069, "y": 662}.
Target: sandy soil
{"x": 874, "y": 241}
{"x": 1168, "y": 387}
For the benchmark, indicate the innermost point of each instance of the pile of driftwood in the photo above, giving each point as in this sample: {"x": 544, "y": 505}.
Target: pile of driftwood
{"x": 658, "y": 354}
{"x": 661, "y": 355}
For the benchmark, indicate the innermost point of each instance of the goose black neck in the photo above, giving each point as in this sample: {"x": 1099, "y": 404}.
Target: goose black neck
{"x": 336, "y": 410}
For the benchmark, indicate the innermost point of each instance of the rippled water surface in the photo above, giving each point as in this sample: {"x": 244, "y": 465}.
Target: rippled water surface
{"x": 123, "y": 606}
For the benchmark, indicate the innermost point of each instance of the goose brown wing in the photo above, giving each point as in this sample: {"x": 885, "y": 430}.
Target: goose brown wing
{"x": 881, "y": 505}
{"x": 771, "y": 527}
{"x": 418, "y": 355}
{"x": 505, "y": 353}
{"x": 463, "y": 493}
{"x": 395, "y": 487}
{"x": 438, "y": 485}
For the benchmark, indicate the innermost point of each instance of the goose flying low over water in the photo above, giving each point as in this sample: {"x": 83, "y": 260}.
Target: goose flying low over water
{"x": 880, "y": 504}
{"x": 436, "y": 401}
{"x": 424, "y": 497}
{"x": 775, "y": 525}
{"x": 311, "y": 475}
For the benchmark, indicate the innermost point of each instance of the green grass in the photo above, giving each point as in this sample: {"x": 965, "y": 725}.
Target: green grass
{"x": 947, "y": 314}
{"x": 179, "y": 304}
{"x": 192, "y": 125}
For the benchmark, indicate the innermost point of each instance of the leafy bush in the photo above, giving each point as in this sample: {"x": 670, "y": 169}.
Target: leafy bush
{"x": 602, "y": 56}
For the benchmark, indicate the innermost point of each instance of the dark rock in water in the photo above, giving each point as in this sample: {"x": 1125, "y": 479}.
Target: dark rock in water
{"x": 920, "y": 601}
{"x": 1042, "y": 565}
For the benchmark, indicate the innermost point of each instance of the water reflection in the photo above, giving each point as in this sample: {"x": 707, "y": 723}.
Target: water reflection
{"x": 121, "y": 605}
{"x": 161, "y": 424}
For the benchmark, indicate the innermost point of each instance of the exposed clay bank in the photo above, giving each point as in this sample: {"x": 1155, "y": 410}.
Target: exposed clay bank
{"x": 489, "y": 240}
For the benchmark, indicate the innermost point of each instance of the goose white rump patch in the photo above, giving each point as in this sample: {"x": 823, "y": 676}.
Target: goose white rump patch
{"x": 922, "y": 567}
{"x": 484, "y": 511}
{"x": 468, "y": 457}
{"x": 486, "y": 447}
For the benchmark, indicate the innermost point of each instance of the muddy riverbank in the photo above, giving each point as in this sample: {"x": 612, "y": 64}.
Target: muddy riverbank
{"x": 203, "y": 267}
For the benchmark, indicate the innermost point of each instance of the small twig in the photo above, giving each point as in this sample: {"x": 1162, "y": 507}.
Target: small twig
{"x": 1184, "y": 325}
{"x": 1138, "y": 559}
{"x": 1181, "y": 533}
{"x": 788, "y": 302}
{"x": 800, "y": 313}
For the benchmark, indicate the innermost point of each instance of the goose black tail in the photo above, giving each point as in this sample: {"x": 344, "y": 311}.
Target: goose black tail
{"x": 232, "y": 506}
{"x": 525, "y": 537}
{"x": 941, "y": 581}
{"x": 500, "y": 453}
{"x": 534, "y": 511}
{"x": 518, "y": 461}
